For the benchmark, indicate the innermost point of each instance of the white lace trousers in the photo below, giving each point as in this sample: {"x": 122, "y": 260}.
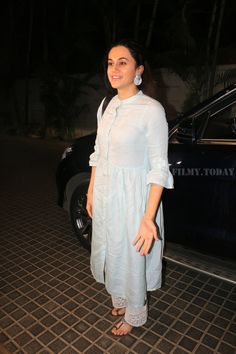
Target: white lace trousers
{"x": 135, "y": 316}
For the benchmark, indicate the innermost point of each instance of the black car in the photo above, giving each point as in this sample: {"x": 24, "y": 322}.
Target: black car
{"x": 200, "y": 212}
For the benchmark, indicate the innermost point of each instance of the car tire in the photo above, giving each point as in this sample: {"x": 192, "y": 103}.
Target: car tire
{"x": 81, "y": 222}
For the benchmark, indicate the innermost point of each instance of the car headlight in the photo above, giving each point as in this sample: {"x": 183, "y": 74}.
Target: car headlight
{"x": 66, "y": 152}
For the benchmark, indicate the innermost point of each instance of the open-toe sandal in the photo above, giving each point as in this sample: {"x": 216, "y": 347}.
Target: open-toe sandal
{"x": 117, "y": 329}
{"x": 116, "y": 312}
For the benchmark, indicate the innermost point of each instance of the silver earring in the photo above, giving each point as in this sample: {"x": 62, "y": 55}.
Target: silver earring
{"x": 137, "y": 80}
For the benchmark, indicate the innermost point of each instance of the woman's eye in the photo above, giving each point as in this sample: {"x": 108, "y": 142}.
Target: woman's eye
{"x": 121, "y": 63}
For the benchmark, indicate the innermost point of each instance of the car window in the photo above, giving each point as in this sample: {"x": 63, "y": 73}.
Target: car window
{"x": 188, "y": 129}
{"x": 182, "y": 134}
{"x": 222, "y": 124}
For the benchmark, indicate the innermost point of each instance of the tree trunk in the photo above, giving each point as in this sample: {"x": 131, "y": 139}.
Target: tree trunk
{"x": 27, "y": 78}
{"x": 137, "y": 20}
{"x": 45, "y": 34}
{"x": 113, "y": 21}
{"x": 106, "y": 16}
{"x": 151, "y": 25}
{"x": 216, "y": 47}
{"x": 13, "y": 90}
{"x": 208, "y": 49}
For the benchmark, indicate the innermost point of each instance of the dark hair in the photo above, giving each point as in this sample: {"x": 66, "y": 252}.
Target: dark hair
{"x": 148, "y": 85}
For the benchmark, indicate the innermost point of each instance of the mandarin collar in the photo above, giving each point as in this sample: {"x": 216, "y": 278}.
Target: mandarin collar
{"x": 119, "y": 102}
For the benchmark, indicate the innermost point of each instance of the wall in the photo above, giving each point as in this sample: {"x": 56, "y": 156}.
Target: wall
{"x": 173, "y": 90}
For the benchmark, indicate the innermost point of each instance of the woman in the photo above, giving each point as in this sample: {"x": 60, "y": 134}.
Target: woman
{"x": 129, "y": 171}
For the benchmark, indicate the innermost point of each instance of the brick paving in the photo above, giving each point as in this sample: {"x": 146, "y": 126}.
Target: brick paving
{"x": 50, "y": 303}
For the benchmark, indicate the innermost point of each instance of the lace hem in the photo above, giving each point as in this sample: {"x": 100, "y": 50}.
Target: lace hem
{"x": 118, "y": 302}
{"x": 136, "y": 316}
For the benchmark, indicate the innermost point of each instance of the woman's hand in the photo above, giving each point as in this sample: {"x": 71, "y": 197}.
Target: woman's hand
{"x": 89, "y": 204}
{"x": 146, "y": 234}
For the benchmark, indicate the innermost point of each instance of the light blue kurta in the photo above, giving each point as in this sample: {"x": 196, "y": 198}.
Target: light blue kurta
{"x": 130, "y": 154}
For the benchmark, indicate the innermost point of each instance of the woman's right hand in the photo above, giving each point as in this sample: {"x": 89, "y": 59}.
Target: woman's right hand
{"x": 89, "y": 204}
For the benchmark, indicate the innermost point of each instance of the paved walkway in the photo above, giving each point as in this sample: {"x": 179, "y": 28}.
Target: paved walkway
{"x": 51, "y": 304}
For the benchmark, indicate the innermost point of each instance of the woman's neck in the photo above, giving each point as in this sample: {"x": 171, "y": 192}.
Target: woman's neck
{"x": 124, "y": 94}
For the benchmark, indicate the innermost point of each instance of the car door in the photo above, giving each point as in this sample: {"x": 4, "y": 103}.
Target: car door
{"x": 217, "y": 149}
{"x": 200, "y": 211}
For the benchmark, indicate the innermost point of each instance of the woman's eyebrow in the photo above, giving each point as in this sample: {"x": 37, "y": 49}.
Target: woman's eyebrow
{"x": 119, "y": 58}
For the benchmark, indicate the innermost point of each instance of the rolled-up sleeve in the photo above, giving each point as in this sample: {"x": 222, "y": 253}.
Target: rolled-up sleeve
{"x": 157, "y": 141}
{"x": 93, "y": 158}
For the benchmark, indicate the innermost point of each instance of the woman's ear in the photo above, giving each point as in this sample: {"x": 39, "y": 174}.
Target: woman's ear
{"x": 140, "y": 70}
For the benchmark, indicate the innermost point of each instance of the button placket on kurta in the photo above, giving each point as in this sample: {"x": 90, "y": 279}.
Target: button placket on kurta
{"x": 106, "y": 172}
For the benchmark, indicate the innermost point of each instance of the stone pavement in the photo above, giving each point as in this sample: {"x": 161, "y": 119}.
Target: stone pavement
{"x": 49, "y": 301}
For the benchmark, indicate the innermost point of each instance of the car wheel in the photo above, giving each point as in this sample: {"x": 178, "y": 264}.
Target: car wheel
{"x": 81, "y": 222}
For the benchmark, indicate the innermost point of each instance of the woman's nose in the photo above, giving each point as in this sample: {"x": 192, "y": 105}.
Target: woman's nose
{"x": 116, "y": 67}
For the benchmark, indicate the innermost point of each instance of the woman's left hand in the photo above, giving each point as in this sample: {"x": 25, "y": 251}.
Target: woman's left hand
{"x": 146, "y": 234}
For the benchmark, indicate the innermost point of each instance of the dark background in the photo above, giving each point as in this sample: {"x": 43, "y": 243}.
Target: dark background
{"x": 55, "y": 41}
{"x": 72, "y": 36}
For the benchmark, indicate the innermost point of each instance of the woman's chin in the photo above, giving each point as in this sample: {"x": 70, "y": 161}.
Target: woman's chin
{"x": 115, "y": 85}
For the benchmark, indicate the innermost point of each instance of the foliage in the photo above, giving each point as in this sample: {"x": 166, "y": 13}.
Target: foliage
{"x": 226, "y": 78}
{"x": 60, "y": 94}
{"x": 192, "y": 56}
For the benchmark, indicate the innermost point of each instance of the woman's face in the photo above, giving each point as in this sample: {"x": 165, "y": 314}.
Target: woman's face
{"x": 122, "y": 68}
